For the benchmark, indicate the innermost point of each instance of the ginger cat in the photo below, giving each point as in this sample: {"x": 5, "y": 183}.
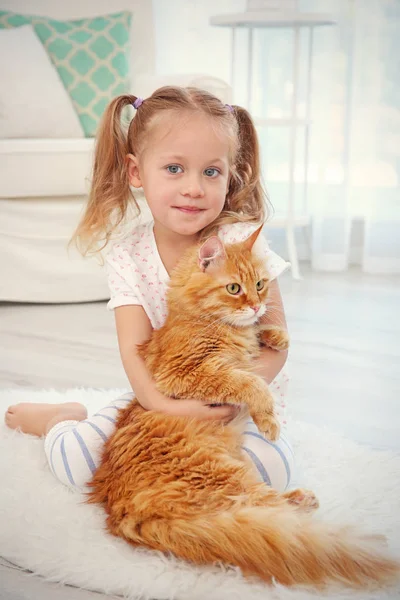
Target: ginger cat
{"x": 183, "y": 485}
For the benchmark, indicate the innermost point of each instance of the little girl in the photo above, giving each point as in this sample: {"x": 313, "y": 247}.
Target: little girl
{"x": 197, "y": 161}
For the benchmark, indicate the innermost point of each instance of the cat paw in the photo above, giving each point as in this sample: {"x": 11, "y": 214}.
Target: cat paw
{"x": 303, "y": 499}
{"x": 268, "y": 425}
{"x": 275, "y": 338}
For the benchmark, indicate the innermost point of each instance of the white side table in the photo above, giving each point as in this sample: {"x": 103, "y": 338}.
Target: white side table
{"x": 254, "y": 18}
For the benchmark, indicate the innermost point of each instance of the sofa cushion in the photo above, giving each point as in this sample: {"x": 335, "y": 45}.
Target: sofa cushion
{"x": 25, "y": 112}
{"x": 91, "y": 56}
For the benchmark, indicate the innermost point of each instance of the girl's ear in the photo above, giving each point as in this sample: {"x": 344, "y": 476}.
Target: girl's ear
{"x": 133, "y": 171}
{"x": 210, "y": 251}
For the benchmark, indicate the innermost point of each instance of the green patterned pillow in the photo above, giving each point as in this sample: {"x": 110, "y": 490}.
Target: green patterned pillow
{"x": 91, "y": 56}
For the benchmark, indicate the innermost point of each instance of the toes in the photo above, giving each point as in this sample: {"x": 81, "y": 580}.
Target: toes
{"x": 11, "y": 417}
{"x": 9, "y": 420}
{"x": 9, "y": 413}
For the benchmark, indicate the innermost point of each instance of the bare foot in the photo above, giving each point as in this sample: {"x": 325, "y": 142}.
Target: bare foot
{"x": 35, "y": 418}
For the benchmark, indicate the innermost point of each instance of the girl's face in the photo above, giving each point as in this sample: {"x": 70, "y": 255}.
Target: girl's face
{"x": 184, "y": 172}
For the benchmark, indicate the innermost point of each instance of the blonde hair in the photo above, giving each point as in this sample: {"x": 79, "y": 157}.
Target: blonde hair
{"x": 111, "y": 197}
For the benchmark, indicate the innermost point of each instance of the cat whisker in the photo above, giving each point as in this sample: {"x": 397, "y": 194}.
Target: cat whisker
{"x": 272, "y": 310}
{"x": 216, "y": 324}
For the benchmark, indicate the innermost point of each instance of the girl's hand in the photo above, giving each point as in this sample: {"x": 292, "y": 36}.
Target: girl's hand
{"x": 196, "y": 408}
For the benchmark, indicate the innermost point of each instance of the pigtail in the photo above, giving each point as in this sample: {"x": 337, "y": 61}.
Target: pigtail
{"x": 110, "y": 193}
{"x": 245, "y": 194}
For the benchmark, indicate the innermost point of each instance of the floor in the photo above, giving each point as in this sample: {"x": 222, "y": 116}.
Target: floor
{"x": 344, "y": 356}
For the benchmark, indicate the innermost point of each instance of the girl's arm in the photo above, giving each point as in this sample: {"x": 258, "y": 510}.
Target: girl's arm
{"x": 134, "y": 327}
{"x": 270, "y": 362}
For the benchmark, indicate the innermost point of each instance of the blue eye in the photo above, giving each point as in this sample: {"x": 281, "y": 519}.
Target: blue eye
{"x": 211, "y": 172}
{"x": 174, "y": 169}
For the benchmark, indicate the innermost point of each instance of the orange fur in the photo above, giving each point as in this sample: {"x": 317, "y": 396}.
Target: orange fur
{"x": 182, "y": 485}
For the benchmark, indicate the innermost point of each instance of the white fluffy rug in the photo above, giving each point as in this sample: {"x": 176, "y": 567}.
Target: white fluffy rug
{"x": 46, "y": 528}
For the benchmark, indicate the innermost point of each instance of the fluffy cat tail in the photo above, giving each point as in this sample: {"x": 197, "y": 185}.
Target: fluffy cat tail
{"x": 276, "y": 544}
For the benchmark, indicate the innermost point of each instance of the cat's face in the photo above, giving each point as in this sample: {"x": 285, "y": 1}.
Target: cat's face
{"x": 237, "y": 288}
{"x": 229, "y": 283}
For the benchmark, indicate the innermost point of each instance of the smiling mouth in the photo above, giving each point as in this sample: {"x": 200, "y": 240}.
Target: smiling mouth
{"x": 189, "y": 209}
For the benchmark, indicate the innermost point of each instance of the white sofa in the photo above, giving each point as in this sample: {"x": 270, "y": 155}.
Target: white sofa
{"x": 44, "y": 182}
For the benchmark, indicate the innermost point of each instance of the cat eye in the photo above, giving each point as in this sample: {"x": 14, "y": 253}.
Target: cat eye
{"x": 260, "y": 284}
{"x": 233, "y": 288}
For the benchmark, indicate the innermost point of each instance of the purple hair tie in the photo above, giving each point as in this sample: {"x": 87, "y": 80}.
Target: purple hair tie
{"x": 137, "y": 103}
{"x": 230, "y": 108}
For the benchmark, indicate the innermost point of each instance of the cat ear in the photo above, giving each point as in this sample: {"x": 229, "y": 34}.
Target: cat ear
{"x": 249, "y": 243}
{"x": 212, "y": 249}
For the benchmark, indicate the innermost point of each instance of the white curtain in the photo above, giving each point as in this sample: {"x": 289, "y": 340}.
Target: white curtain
{"x": 352, "y": 195}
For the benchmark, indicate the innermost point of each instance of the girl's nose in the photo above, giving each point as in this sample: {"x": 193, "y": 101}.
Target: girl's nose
{"x": 193, "y": 188}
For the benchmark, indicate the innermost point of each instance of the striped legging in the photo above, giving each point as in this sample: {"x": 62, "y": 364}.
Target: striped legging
{"x": 73, "y": 449}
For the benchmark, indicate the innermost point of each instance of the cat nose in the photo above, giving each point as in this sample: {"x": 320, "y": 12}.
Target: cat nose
{"x": 255, "y": 308}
